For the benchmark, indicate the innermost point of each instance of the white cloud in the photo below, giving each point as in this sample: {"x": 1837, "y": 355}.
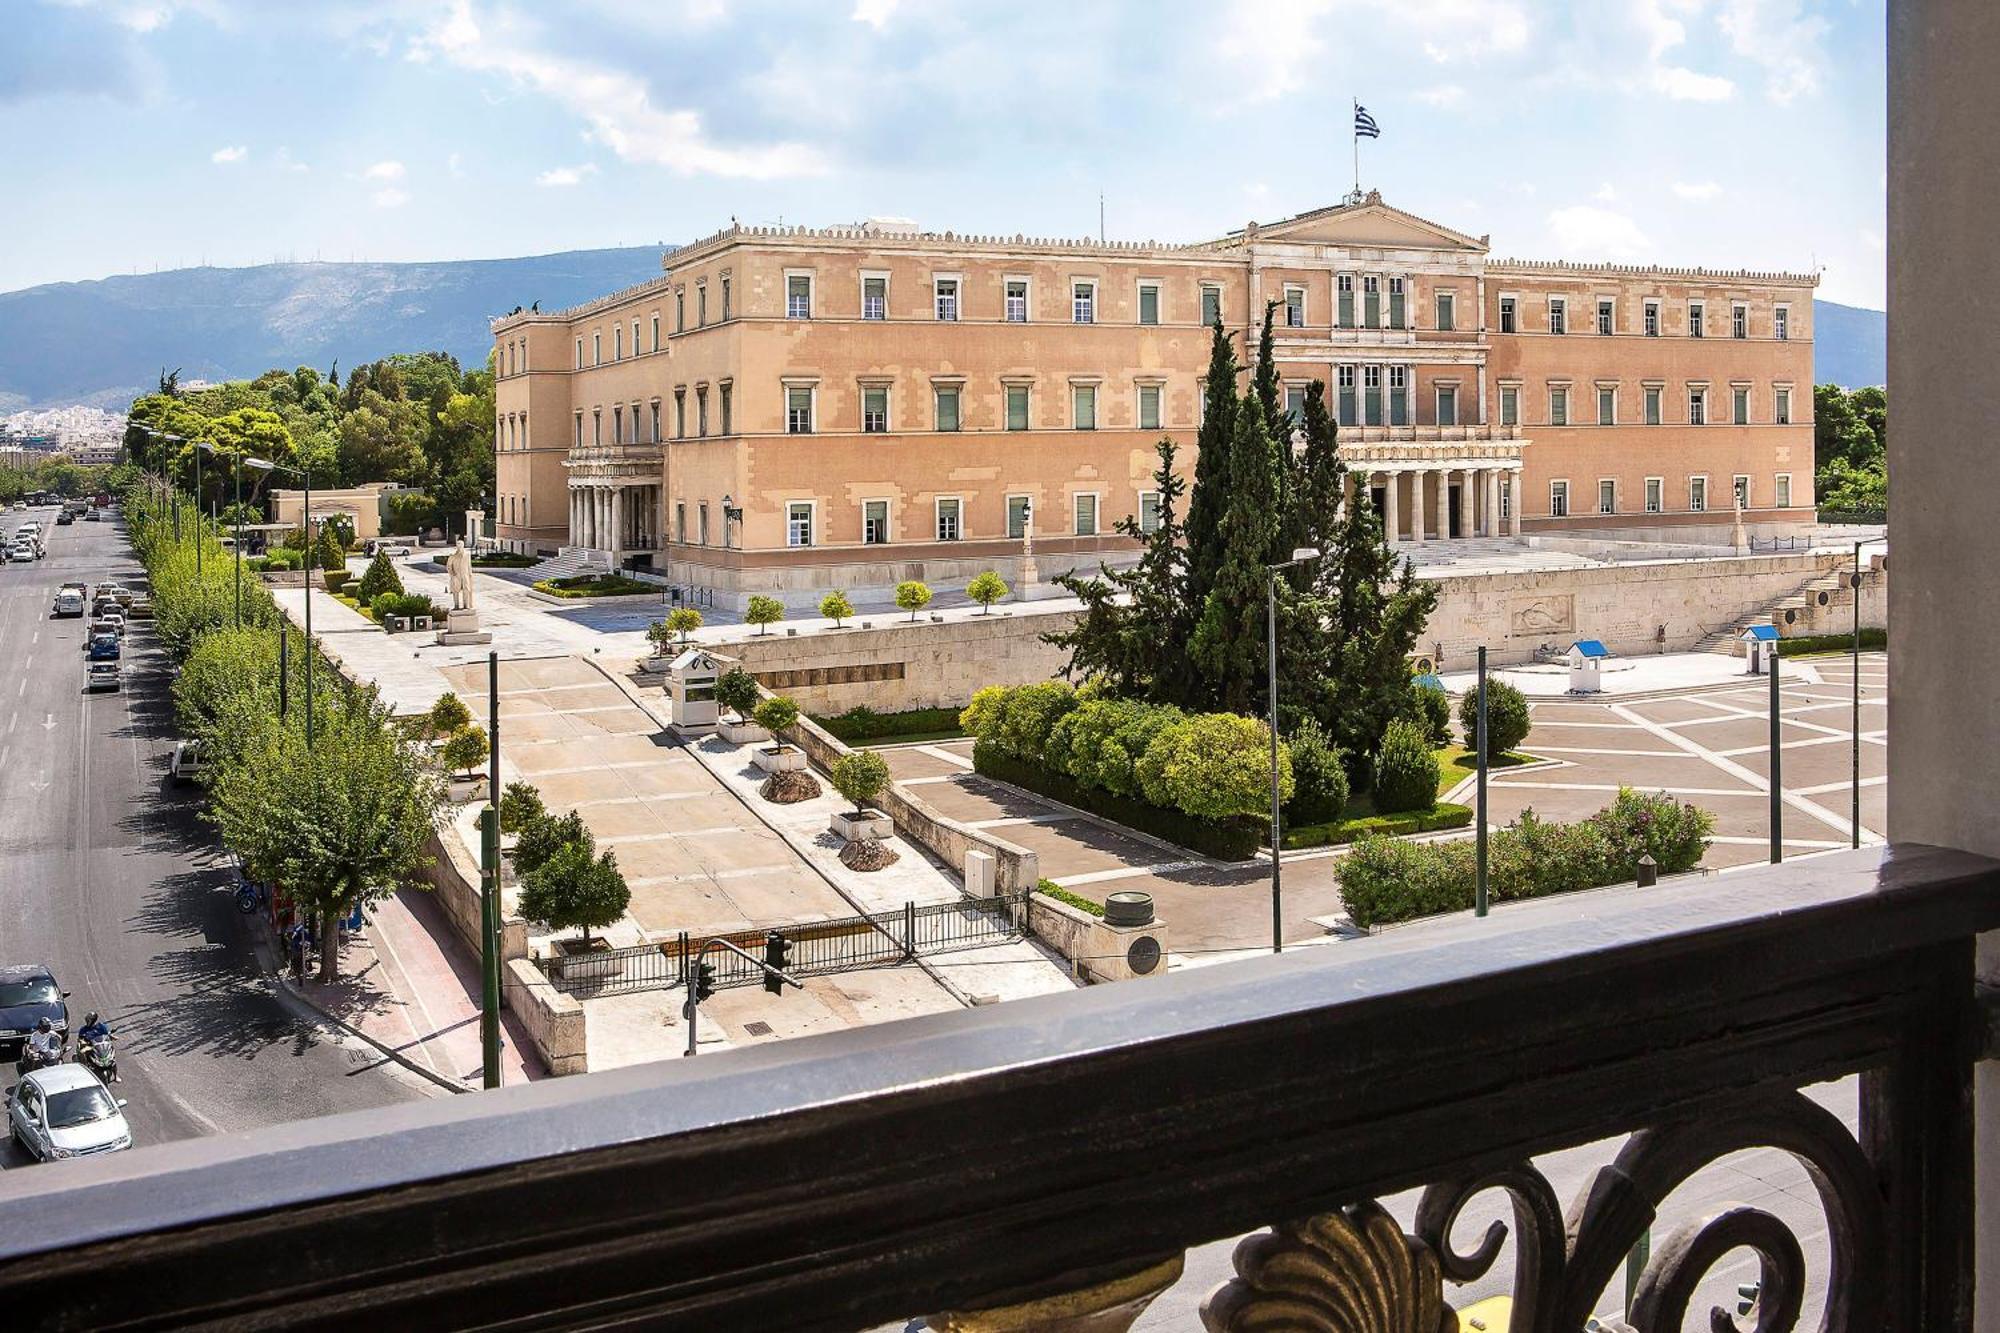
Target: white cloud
{"x": 232, "y": 153}
{"x": 564, "y": 176}
{"x": 617, "y": 106}
{"x": 1444, "y": 96}
{"x": 1659, "y": 22}
{"x": 1684, "y": 85}
{"x": 1697, "y": 189}
{"x": 389, "y": 198}
{"x": 1278, "y": 42}
{"x": 1607, "y": 193}
{"x": 875, "y": 13}
{"x": 1583, "y": 232}
{"x": 1778, "y": 35}
{"x": 384, "y": 171}
{"x": 286, "y": 162}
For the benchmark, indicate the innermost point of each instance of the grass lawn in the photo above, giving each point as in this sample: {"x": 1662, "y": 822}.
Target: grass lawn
{"x": 1456, "y": 763}
{"x": 503, "y": 560}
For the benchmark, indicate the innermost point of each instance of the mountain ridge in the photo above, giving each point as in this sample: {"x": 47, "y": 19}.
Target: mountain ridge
{"x": 100, "y": 342}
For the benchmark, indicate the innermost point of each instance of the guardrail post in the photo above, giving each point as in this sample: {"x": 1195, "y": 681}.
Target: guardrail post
{"x": 909, "y": 930}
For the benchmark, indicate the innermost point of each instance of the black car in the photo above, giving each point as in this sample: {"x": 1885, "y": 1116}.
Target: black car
{"x": 28, "y": 994}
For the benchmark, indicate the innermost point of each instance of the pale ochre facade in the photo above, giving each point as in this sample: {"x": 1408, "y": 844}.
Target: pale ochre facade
{"x": 792, "y": 410}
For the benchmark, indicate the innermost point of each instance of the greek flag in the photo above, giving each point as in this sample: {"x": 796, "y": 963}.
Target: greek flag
{"x": 1364, "y": 124}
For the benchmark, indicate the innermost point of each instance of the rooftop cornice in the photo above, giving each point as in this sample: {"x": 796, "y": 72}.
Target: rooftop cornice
{"x": 659, "y": 284}
{"x": 868, "y": 238}
{"x": 1563, "y": 267}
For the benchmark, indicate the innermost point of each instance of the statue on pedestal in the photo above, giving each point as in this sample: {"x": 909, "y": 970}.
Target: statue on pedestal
{"x": 458, "y": 567}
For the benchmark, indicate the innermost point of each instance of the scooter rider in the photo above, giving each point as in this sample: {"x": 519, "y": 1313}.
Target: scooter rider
{"x": 93, "y": 1047}
{"x": 94, "y": 1028}
{"x": 43, "y": 1047}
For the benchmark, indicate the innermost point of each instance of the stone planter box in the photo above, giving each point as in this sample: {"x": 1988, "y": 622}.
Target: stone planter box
{"x": 462, "y": 789}
{"x": 779, "y": 759}
{"x": 742, "y": 733}
{"x": 573, "y": 960}
{"x": 862, "y": 825}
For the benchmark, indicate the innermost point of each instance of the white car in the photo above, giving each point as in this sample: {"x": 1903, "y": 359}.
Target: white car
{"x": 21, "y": 553}
{"x": 388, "y": 548}
{"x": 66, "y": 1111}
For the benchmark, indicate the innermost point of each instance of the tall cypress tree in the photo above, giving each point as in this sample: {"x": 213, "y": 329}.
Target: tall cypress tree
{"x": 1270, "y": 400}
{"x": 1209, "y": 495}
{"x": 1376, "y": 613}
{"x": 1312, "y": 510}
{"x": 1228, "y": 644}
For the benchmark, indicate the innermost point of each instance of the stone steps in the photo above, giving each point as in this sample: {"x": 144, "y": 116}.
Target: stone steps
{"x": 568, "y": 562}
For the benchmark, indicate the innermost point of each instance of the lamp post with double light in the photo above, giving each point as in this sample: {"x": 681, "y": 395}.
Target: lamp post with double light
{"x": 1301, "y": 556}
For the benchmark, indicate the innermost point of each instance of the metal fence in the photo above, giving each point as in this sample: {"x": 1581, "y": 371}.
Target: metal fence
{"x": 846, "y": 944}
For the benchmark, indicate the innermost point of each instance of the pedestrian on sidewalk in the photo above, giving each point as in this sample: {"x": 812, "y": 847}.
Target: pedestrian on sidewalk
{"x": 296, "y": 939}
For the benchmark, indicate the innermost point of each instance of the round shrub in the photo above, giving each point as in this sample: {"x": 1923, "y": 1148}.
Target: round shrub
{"x": 1506, "y": 718}
{"x": 913, "y": 596}
{"x": 860, "y": 776}
{"x": 1431, "y": 707}
{"x": 683, "y": 620}
{"x": 542, "y": 838}
{"x": 777, "y": 713}
{"x": 986, "y": 588}
{"x": 1213, "y": 766}
{"x": 1031, "y": 713}
{"x": 835, "y": 607}
{"x": 466, "y": 750}
{"x": 378, "y": 578}
{"x": 448, "y": 714}
{"x": 763, "y": 611}
{"x": 520, "y": 806}
{"x": 736, "y": 689}
{"x": 981, "y": 717}
{"x": 1406, "y": 769}
{"x": 1319, "y": 780}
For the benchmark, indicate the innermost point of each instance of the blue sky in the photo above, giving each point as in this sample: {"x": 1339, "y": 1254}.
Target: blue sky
{"x": 142, "y": 134}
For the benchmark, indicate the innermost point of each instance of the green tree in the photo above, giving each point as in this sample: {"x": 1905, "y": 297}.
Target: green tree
{"x": 1432, "y": 711}
{"x": 542, "y": 838}
{"x": 1209, "y": 495}
{"x": 1507, "y": 719}
{"x": 737, "y": 690}
{"x": 1406, "y": 769}
{"x": 339, "y": 822}
{"x": 777, "y": 714}
{"x": 835, "y": 607}
{"x": 378, "y": 578}
{"x": 1269, "y": 393}
{"x": 1839, "y": 430}
{"x": 381, "y": 439}
{"x": 860, "y": 776}
{"x": 1376, "y": 613}
{"x": 986, "y": 588}
{"x": 1228, "y": 643}
{"x": 763, "y": 611}
{"x": 520, "y": 805}
{"x": 573, "y": 888}
{"x": 912, "y": 596}
{"x": 1845, "y": 488}
{"x": 447, "y": 715}
{"x": 465, "y": 751}
{"x": 1319, "y": 780}
{"x": 327, "y": 552}
{"x": 1214, "y": 766}
{"x": 683, "y": 620}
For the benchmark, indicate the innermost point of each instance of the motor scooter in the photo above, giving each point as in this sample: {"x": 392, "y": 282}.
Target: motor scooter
{"x": 100, "y": 1057}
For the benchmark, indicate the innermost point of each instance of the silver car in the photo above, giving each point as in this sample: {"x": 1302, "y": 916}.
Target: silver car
{"x": 65, "y": 1111}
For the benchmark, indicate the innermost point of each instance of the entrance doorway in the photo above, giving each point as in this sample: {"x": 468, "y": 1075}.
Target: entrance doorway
{"x": 1457, "y": 522}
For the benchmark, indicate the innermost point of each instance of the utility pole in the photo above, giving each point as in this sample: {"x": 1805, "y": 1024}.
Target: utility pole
{"x": 489, "y": 885}
{"x": 1479, "y": 897}
{"x": 1777, "y": 765}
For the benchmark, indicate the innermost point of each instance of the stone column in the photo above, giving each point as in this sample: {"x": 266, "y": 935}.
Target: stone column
{"x": 1493, "y": 501}
{"x": 1441, "y": 513}
{"x": 1520, "y": 503}
{"x": 1469, "y": 497}
{"x": 1391, "y": 520}
{"x": 1416, "y": 500}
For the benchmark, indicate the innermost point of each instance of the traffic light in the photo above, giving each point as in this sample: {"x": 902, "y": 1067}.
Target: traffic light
{"x": 777, "y": 954}
{"x": 704, "y": 981}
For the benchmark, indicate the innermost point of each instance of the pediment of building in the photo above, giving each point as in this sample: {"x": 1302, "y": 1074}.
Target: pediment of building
{"x": 1370, "y": 223}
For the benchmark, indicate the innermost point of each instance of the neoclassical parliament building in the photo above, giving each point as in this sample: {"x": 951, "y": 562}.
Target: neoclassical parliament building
{"x": 788, "y": 410}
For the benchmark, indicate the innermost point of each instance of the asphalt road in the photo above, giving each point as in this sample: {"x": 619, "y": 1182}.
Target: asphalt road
{"x": 108, "y": 875}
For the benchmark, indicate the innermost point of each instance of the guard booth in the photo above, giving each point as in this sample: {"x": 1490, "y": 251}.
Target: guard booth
{"x": 1586, "y": 659}
{"x": 691, "y": 690}
{"x": 1760, "y": 646}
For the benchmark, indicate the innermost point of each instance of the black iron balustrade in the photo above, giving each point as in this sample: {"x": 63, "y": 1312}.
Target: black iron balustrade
{"x": 1054, "y": 1157}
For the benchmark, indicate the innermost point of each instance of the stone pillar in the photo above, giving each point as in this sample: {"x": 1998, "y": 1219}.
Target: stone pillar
{"x": 1416, "y": 500}
{"x": 1493, "y": 502}
{"x": 1442, "y": 513}
{"x": 1392, "y": 527}
{"x": 1520, "y": 502}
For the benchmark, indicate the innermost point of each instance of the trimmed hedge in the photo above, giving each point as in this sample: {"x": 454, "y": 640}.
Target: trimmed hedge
{"x": 504, "y": 560}
{"x": 1385, "y": 880}
{"x": 1233, "y": 839}
{"x": 594, "y": 585}
{"x": 862, "y": 723}
{"x": 1048, "y": 888}
{"x": 1443, "y": 815}
{"x": 1832, "y": 643}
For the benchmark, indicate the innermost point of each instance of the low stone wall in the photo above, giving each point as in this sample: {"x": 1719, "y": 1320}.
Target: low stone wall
{"x": 1015, "y": 868}
{"x": 1097, "y": 951}
{"x": 1836, "y": 616}
{"x": 1065, "y": 929}
{"x": 554, "y": 1022}
{"x": 454, "y": 880}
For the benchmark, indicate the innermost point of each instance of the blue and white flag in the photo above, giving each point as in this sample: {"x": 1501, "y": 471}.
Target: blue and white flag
{"x": 1364, "y": 124}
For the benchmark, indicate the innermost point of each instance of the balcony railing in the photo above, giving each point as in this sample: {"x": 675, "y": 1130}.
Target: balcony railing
{"x": 1060, "y": 1154}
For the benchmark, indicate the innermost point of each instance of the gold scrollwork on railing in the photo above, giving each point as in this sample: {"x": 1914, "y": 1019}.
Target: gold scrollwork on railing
{"x": 1348, "y": 1271}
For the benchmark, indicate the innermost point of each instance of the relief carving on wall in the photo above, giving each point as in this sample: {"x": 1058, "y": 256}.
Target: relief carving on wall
{"x": 1552, "y": 614}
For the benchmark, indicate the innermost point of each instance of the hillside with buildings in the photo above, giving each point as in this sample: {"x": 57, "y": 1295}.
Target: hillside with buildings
{"x": 102, "y": 343}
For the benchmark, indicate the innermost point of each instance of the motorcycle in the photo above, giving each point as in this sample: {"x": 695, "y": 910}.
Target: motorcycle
{"x": 31, "y": 1059}
{"x": 100, "y": 1057}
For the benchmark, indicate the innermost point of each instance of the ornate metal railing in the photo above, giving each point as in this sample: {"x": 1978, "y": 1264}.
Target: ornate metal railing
{"x": 1051, "y": 1159}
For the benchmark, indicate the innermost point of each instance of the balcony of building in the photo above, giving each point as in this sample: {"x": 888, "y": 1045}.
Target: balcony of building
{"x": 1049, "y": 1163}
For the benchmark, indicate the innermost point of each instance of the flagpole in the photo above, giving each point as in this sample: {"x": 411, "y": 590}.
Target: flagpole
{"x": 1354, "y": 132}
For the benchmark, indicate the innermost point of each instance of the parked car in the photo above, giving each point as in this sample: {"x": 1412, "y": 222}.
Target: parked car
{"x": 102, "y": 676}
{"x": 108, "y": 623}
{"x": 103, "y": 648}
{"x": 28, "y": 994}
{"x": 187, "y": 762}
{"x": 66, "y": 1111}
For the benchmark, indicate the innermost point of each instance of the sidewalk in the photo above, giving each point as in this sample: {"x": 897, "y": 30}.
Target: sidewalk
{"x": 407, "y": 990}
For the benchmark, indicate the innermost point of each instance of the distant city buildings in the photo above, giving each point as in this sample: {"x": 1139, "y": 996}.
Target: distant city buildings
{"x": 789, "y": 410}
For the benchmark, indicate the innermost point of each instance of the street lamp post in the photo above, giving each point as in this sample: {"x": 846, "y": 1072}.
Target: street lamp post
{"x": 1854, "y": 682}
{"x": 1300, "y": 556}
{"x": 305, "y": 519}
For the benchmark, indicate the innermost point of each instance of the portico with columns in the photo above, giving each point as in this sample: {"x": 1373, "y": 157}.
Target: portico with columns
{"x": 1441, "y": 491}
{"x": 615, "y": 504}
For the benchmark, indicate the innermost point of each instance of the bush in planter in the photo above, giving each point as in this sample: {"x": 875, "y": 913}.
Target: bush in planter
{"x": 465, "y": 751}
{"x": 683, "y": 620}
{"x": 447, "y": 715}
{"x": 542, "y": 838}
{"x": 762, "y": 612}
{"x": 575, "y": 888}
{"x": 913, "y": 595}
{"x": 986, "y": 588}
{"x": 860, "y": 776}
{"x": 736, "y": 689}
{"x": 776, "y": 714}
{"x": 520, "y": 806}
{"x": 1319, "y": 776}
{"x": 1506, "y": 717}
{"x": 660, "y": 637}
{"x": 835, "y": 607}
{"x": 378, "y": 578}
{"x": 334, "y": 579}
{"x": 1406, "y": 769}
{"x": 1431, "y": 707}
{"x": 406, "y": 605}
{"x": 1214, "y": 766}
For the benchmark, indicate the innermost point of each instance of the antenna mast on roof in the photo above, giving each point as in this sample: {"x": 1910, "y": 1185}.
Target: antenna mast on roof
{"x": 1100, "y": 217}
